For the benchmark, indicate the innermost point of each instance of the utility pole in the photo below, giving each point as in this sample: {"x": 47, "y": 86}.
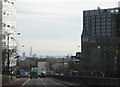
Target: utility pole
{"x": 8, "y": 60}
{"x": 63, "y": 66}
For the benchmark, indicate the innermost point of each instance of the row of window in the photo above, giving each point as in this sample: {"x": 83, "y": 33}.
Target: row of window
{"x": 8, "y": 26}
{"x": 5, "y": 13}
{"x": 8, "y": 1}
{"x": 99, "y": 26}
{"x": 97, "y": 20}
{"x": 101, "y": 11}
{"x": 101, "y": 33}
{"x": 5, "y": 37}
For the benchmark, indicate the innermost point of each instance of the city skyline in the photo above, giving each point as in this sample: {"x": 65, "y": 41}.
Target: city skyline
{"x": 53, "y": 27}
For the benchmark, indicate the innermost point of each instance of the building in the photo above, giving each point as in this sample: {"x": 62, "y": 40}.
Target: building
{"x": 41, "y": 67}
{"x": 0, "y": 46}
{"x": 76, "y": 58}
{"x": 27, "y": 63}
{"x": 8, "y": 28}
{"x": 100, "y": 41}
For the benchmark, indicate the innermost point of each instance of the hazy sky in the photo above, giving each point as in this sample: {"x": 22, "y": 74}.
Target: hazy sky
{"x": 53, "y": 27}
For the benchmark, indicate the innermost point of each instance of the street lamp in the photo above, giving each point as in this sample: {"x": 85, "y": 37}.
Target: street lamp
{"x": 18, "y": 55}
{"x": 79, "y": 48}
{"x": 98, "y": 47}
{"x": 8, "y": 60}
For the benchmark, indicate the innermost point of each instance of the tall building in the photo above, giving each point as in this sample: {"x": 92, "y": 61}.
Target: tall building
{"x": 0, "y": 47}
{"x": 101, "y": 41}
{"x": 8, "y": 27}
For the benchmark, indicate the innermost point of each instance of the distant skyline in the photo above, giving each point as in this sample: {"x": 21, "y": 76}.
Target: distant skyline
{"x": 53, "y": 27}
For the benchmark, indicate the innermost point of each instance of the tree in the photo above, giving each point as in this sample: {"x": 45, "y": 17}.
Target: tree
{"x": 49, "y": 64}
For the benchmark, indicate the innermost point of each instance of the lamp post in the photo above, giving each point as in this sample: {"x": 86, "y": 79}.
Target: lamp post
{"x": 8, "y": 60}
{"x": 18, "y": 56}
{"x": 79, "y": 48}
{"x": 118, "y": 60}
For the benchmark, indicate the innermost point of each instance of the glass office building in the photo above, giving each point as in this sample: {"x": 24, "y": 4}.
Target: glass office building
{"x": 100, "y": 41}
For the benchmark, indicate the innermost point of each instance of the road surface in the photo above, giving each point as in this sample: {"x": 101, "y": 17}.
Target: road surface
{"x": 43, "y": 82}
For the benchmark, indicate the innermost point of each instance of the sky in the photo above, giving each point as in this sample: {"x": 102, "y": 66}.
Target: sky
{"x": 53, "y": 27}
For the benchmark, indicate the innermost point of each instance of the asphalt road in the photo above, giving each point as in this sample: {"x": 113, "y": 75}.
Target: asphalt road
{"x": 43, "y": 82}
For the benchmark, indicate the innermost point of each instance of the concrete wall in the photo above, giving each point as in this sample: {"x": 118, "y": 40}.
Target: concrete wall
{"x": 6, "y": 79}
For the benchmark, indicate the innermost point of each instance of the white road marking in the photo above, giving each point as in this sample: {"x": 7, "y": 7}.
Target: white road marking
{"x": 25, "y": 83}
{"x": 43, "y": 83}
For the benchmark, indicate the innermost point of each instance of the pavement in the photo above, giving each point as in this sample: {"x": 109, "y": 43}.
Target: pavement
{"x": 17, "y": 83}
{"x": 20, "y": 82}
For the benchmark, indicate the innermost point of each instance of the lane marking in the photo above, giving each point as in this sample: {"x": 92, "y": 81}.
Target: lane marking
{"x": 43, "y": 83}
{"x": 25, "y": 83}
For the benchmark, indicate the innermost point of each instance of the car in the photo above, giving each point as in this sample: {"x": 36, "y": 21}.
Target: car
{"x": 43, "y": 75}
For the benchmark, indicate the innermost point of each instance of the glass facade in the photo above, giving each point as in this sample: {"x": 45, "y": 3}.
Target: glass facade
{"x": 101, "y": 27}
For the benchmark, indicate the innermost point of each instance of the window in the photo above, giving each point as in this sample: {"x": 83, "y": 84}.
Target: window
{"x": 103, "y": 17}
{"x": 4, "y": 13}
{"x": 4, "y": 37}
{"x": 85, "y": 39}
{"x": 97, "y": 20}
{"x": 7, "y": 14}
{"x": 12, "y": 2}
{"x": 8, "y": 26}
{"x": 103, "y": 34}
{"x": 98, "y": 17}
{"x": 4, "y": 25}
{"x": 5, "y": 0}
{"x": 103, "y": 20}
{"x": 98, "y": 24}
{"x": 116, "y": 10}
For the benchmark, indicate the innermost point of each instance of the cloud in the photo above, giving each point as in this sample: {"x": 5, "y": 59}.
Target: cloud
{"x": 53, "y": 26}
{"x": 49, "y": 6}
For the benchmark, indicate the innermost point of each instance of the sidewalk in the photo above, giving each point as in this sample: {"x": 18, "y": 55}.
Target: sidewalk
{"x": 17, "y": 83}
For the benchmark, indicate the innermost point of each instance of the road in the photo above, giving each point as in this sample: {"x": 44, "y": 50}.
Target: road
{"x": 42, "y": 82}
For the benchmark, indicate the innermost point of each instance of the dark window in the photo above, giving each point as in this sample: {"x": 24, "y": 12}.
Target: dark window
{"x": 4, "y": 25}
{"x": 12, "y": 2}
{"x": 8, "y": 25}
{"x": 4, "y": 13}
{"x": 5, "y": 0}
{"x": 7, "y": 14}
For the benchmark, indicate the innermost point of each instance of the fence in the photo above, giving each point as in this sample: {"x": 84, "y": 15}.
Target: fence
{"x": 90, "y": 81}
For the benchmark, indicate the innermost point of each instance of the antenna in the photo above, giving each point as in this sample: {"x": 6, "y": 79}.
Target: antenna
{"x": 99, "y": 4}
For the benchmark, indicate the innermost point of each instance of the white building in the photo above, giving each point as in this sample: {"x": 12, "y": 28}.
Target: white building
{"x": 8, "y": 27}
{"x": 41, "y": 67}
